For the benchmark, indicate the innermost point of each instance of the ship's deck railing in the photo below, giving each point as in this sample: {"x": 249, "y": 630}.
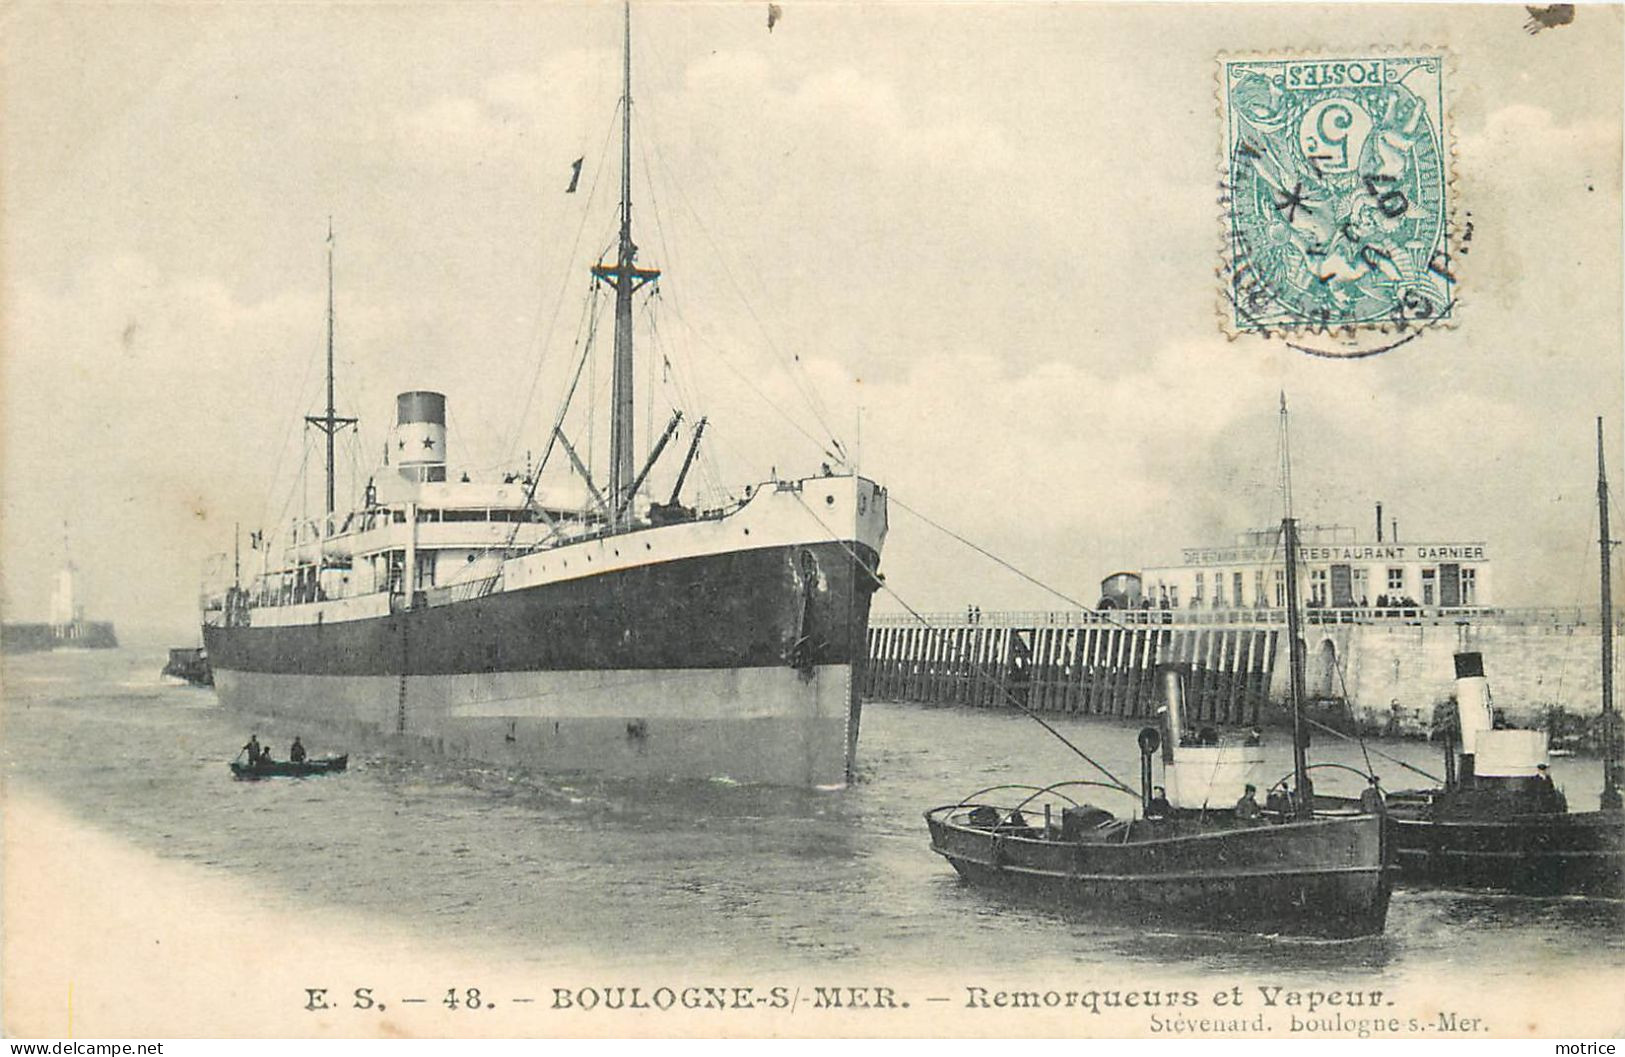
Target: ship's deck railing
{"x": 606, "y": 531}
{"x": 1551, "y": 616}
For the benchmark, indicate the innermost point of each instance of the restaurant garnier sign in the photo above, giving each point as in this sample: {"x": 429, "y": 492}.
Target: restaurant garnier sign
{"x": 1400, "y": 553}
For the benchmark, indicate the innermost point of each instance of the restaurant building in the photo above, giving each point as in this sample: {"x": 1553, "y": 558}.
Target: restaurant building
{"x": 1335, "y": 570}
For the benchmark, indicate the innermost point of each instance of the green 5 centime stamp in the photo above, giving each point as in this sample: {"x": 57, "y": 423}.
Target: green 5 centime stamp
{"x": 1338, "y": 197}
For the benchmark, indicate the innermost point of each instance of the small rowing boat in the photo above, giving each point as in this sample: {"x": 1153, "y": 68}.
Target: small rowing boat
{"x": 264, "y": 768}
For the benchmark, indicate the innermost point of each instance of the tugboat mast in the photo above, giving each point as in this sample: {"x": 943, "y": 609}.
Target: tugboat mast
{"x": 626, "y": 278}
{"x": 1610, "y": 718}
{"x": 330, "y": 423}
{"x": 1302, "y": 789}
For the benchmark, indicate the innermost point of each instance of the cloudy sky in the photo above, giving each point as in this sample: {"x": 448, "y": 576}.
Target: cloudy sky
{"x": 989, "y": 232}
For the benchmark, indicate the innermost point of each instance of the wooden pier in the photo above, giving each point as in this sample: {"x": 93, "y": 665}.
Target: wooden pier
{"x": 1096, "y": 664}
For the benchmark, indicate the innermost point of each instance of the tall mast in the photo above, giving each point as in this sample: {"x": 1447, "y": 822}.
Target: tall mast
{"x": 1289, "y": 539}
{"x": 330, "y": 423}
{"x": 625, "y": 277}
{"x": 1610, "y": 718}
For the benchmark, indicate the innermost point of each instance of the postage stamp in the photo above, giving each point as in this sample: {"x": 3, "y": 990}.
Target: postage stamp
{"x": 1338, "y": 198}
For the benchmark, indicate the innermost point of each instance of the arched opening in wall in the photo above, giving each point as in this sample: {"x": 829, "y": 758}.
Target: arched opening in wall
{"x": 1323, "y": 671}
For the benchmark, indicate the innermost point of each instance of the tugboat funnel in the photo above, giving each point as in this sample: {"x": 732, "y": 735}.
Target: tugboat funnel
{"x": 1172, "y": 678}
{"x": 1473, "y": 708}
{"x": 1487, "y": 752}
{"x": 1200, "y": 768}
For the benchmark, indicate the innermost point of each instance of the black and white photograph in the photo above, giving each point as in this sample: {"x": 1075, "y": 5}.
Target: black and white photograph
{"x": 676, "y": 519}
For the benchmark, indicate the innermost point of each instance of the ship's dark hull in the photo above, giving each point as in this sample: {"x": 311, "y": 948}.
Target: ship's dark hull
{"x": 739, "y": 609}
{"x": 737, "y": 664}
{"x": 1324, "y": 878}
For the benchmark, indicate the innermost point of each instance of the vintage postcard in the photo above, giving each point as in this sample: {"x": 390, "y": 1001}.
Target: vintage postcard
{"x": 875, "y": 519}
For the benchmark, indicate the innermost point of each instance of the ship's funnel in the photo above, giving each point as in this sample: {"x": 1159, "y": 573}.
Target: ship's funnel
{"x": 1473, "y": 708}
{"x": 418, "y": 444}
{"x": 1172, "y": 678}
{"x": 1487, "y": 752}
{"x": 1199, "y": 768}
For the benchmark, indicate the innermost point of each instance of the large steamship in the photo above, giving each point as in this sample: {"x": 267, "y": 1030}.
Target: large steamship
{"x": 615, "y": 635}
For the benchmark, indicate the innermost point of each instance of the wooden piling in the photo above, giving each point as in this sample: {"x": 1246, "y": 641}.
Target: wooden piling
{"x": 1061, "y": 663}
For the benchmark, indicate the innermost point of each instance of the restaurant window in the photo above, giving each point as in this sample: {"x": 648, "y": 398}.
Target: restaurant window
{"x": 1429, "y": 578}
{"x": 1218, "y": 590}
{"x": 1258, "y": 587}
{"x": 1280, "y": 588}
{"x": 1196, "y": 593}
{"x": 1469, "y": 586}
{"x": 1396, "y": 578}
{"x": 1173, "y": 597}
{"x": 1361, "y": 587}
{"x": 1317, "y": 587}
{"x": 1235, "y": 585}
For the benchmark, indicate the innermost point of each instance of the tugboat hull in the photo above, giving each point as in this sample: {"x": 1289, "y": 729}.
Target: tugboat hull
{"x": 1326, "y": 878}
{"x": 1539, "y": 855}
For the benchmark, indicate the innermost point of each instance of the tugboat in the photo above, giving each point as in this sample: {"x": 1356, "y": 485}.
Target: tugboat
{"x": 1191, "y": 860}
{"x": 189, "y": 663}
{"x": 1499, "y": 823}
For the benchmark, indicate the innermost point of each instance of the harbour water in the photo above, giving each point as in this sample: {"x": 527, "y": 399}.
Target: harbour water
{"x": 542, "y": 870}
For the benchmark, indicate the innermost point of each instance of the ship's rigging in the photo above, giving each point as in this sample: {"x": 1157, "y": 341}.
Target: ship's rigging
{"x": 638, "y": 487}
{"x": 621, "y": 273}
{"x": 625, "y": 278}
{"x": 330, "y": 422}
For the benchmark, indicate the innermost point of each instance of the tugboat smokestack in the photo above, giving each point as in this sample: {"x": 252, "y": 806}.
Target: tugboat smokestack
{"x": 1173, "y": 699}
{"x": 1473, "y": 709}
{"x": 1379, "y": 522}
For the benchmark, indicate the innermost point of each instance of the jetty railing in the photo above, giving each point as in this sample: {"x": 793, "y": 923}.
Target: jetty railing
{"x": 1262, "y": 616}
